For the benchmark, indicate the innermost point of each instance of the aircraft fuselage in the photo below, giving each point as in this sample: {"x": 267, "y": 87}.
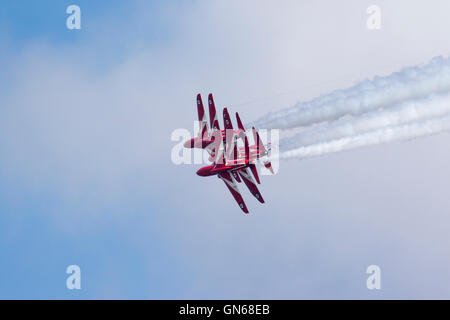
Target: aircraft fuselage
{"x": 212, "y": 170}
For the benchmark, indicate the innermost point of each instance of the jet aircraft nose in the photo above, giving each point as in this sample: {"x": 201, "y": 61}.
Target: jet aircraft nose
{"x": 189, "y": 143}
{"x": 204, "y": 172}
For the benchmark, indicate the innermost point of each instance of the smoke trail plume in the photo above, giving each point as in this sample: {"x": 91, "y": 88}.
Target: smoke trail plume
{"x": 381, "y": 92}
{"x": 384, "y": 135}
{"x": 411, "y": 111}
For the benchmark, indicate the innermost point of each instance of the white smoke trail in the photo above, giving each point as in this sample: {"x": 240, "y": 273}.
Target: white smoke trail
{"x": 411, "y": 111}
{"x": 384, "y": 135}
{"x": 381, "y": 92}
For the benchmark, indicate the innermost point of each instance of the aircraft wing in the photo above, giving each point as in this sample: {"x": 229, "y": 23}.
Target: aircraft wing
{"x": 214, "y": 123}
{"x": 258, "y": 142}
{"x": 232, "y": 151}
{"x": 203, "y": 128}
{"x": 250, "y": 183}
{"x": 231, "y": 148}
{"x": 236, "y": 176}
{"x": 218, "y": 149}
{"x": 251, "y": 165}
{"x": 239, "y": 122}
{"x": 227, "y": 120}
{"x": 229, "y": 181}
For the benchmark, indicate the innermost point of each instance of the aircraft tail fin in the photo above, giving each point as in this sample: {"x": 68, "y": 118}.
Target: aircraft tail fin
{"x": 268, "y": 165}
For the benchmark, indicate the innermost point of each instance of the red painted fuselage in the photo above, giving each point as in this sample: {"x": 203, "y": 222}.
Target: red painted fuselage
{"x": 212, "y": 170}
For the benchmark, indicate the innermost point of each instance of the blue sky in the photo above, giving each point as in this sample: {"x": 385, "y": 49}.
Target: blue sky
{"x": 85, "y": 171}
{"x": 36, "y": 253}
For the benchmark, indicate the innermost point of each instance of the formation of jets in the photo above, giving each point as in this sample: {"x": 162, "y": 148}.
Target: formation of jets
{"x": 230, "y": 162}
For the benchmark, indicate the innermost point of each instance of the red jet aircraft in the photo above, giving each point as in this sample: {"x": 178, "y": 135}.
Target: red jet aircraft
{"x": 229, "y": 162}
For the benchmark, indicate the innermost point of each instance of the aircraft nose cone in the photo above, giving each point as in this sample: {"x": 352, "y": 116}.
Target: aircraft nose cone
{"x": 189, "y": 143}
{"x": 204, "y": 172}
{"x": 201, "y": 172}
